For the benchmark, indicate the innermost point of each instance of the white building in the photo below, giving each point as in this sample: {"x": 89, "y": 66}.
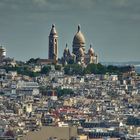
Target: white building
{"x": 2, "y": 52}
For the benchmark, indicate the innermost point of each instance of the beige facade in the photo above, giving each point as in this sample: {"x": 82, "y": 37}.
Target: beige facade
{"x": 45, "y": 133}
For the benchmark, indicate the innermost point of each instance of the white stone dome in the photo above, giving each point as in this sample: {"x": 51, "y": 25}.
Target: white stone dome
{"x": 79, "y": 37}
{"x": 91, "y": 51}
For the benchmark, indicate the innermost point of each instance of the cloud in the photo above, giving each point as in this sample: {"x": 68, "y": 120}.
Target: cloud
{"x": 116, "y": 8}
{"x": 121, "y": 3}
{"x": 40, "y": 3}
{"x": 46, "y": 5}
{"x": 22, "y": 3}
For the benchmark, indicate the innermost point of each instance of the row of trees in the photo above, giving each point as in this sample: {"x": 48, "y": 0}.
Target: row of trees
{"x": 60, "y": 92}
{"x": 70, "y": 69}
{"x": 75, "y": 69}
{"x": 64, "y": 92}
{"x": 25, "y": 70}
{"x": 134, "y": 121}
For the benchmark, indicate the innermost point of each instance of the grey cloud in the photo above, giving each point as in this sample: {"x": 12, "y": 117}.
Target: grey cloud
{"x": 119, "y": 9}
{"x": 39, "y": 5}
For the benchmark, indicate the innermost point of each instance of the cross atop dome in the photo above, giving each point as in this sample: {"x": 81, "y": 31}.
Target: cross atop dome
{"x": 53, "y": 25}
{"x": 90, "y": 45}
{"x": 79, "y": 27}
{"x": 66, "y": 45}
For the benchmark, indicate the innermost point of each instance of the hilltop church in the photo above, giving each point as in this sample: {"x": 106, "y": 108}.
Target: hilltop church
{"x": 78, "y": 55}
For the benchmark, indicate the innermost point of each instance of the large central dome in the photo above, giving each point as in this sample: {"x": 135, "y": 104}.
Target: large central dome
{"x": 79, "y": 37}
{"x": 78, "y": 43}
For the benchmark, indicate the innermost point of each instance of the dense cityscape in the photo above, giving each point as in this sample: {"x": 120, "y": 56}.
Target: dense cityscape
{"x": 69, "y": 98}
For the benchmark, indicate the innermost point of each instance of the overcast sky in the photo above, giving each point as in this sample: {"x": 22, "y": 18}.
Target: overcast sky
{"x": 112, "y": 26}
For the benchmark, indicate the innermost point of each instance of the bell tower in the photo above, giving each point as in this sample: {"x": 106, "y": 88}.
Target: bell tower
{"x": 53, "y": 45}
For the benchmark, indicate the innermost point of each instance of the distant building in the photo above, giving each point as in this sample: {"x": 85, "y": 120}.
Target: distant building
{"x": 2, "y": 52}
{"x": 65, "y": 133}
{"x": 43, "y": 62}
{"x": 79, "y": 55}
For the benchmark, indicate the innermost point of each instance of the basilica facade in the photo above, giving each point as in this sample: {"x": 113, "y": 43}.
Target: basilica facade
{"x": 78, "y": 55}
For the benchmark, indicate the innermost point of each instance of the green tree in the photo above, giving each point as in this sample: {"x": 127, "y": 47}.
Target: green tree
{"x": 71, "y": 61}
{"x": 58, "y": 67}
{"x": 64, "y": 92}
{"x": 101, "y": 69}
{"x": 112, "y": 69}
{"x": 46, "y": 70}
{"x": 1, "y": 93}
{"x": 73, "y": 69}
{"x": 32, "y": 61}
{"x": 91, "y": 68}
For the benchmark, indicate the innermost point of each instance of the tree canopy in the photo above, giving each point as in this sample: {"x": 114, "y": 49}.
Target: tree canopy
{"x": 32, "y": 61}
{"x": 77, "y": 69}
{"x": 64, "y": 92}
{"x": 73, "y": 69}
{"x": 46, "y": 70}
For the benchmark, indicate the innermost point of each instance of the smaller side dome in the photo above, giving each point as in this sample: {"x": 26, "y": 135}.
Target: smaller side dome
{"x": 91, "y": 51}
{"x": 66, "y": 52}
{"x": 66, "y": 48}
{"x": 2, "y": 48}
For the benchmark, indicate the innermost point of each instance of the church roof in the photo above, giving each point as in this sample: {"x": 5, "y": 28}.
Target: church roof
{"x": 79, "y": 37}
{"x": 91, "y": 51}
{"x": 53, "y": 30}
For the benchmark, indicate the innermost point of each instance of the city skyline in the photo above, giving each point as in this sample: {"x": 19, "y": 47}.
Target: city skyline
{"x": 112, "y": 26}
